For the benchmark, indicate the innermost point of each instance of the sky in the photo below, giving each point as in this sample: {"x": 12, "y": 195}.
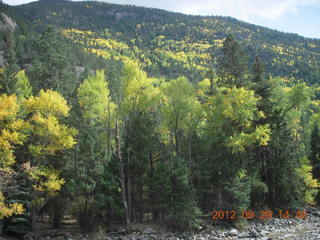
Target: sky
{"x": 296, "y": 16}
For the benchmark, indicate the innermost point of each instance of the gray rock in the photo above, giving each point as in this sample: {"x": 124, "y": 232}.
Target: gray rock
{"x": 60, "y": 238}
{"x": 233, "y": 232}
{"x": 263, "y": 232}
{"x": 7, "y": 23}
{"x": 149, "y": 231}
{"x": 253, "y": 233}
{"x": 214, "y": 233}
{"x": 78, "y": 70}
{"x": 2, "y": 61}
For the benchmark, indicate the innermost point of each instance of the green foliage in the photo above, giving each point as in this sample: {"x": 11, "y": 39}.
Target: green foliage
{"x": 311, "y": 185}
{"x": 232, "y": 63}
{"x": 51, "y": 69}
{"x": 15, "y": 130}
{"x": 23, "y": 87}
{"x": 8, "y": 75}
{"x": 94, "y": 98}
{"x": 172, "y": 44}
{"x": 258, "y": 191}
{"x": 137, "y": 92}
{"x": 231, "y": 113}
{"x": 180, "y": 109}
{"x": 240, "y": 190}
{"x": 161, "y": 136}
{"x": 314, "y": 154}
{"x": 182, "y": 206}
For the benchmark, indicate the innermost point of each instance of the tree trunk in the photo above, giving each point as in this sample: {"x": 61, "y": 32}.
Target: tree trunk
{"x": 129, "y": 187}
{"x": 155, "y": 213}
{"x": 189, "y": 142}
{"x": 1, "y": 227}
{"x": 176, "y": 137}
{"x": 109, "y": 133}
{"x": 122, "y": 176}
{"x": 33, "y": 220}
{"x": 57, "y": 214}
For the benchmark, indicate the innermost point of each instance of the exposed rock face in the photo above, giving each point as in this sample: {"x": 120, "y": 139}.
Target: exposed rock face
{"x": 2, "y": 61}
{"x": 7, "y": 23}
{"x": 78, "y": 70}
{"x": 120, "y": 15}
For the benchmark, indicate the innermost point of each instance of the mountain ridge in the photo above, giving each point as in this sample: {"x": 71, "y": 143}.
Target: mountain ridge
{"x": 283, "y": 53}
{"x": 172, "y": 12}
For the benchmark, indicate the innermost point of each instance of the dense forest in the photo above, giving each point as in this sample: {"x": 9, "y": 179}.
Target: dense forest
{"x": 122, "y": 114}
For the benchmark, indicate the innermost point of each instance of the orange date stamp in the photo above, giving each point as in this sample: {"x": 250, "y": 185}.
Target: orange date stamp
{"x": 263, "y": 214}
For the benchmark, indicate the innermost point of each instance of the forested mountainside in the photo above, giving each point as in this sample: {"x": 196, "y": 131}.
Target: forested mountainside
{"x": 161, "y": 39}
{"x": 117, "y": 114}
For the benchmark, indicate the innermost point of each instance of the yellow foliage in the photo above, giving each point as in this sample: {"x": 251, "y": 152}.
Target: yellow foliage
{"x": 76, "y": 31}
{"x": 204, "y": 85}
{"x": 24, "y": 88}
{"x": 238, "y": 105}
{"x": 8, "y": 107}
{"x": 236, "y": 110}
{"x": 7, "y": 210}
{"x": 139, "y": 91}
{"x": 108, "y": 43}
{"x": 57, "y": 136}
{"x": 13, "y": 131}
{"x": 239, "y": 141}
{"x": 51, "y": 135}
{"x": 48, "y": 102}
{"x": 262, "y": 134}
{"x": 46, "y": 179}
{"x": 99, "y": 52}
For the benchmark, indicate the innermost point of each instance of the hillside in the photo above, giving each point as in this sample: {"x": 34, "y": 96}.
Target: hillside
{"x": 172, "y": 44}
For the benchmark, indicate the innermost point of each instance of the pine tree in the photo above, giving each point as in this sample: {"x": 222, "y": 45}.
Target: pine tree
{"x": 315, "y": 151}
{"x": 257, "y": 70}
{"x": 8, "y": 75}
{"x": 286, "y": 147}
{"x": 232, "y": 64}
{"x": 92, "y": 183}
{"x": 49, "y": 138}
{"x": 52, "y": 69}
{"x": 315, "y": 155}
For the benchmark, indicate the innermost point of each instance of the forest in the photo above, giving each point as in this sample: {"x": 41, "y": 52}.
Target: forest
{"x": 119, "y": 118}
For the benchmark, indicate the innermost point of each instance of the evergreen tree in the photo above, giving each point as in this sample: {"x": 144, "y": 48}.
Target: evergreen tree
{"x": 315, "y": 151}
{"x": 93, "y": 182}
{"x": 257, "y": 70}
{"x": 286, "y": 147}
{"x": 232, "y": 64}
{"x": 8, "y": 75}
{"x": 315, "y": 155}
{"x": 52, "y": 69}
{"x": 261, "y": 85}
